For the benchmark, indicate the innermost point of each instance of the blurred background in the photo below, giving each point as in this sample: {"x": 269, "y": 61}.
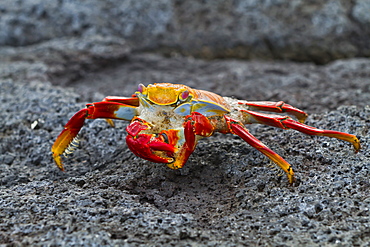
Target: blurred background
{"x": 107, "y": 47}
{"x": 307, "y": 31}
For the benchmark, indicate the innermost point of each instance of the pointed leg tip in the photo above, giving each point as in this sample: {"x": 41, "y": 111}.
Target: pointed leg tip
{"x": 355, "y": 142}
{"x": 58, "y": 162}
{"x": 291, "y": 179}
{"x": 175, "y": 164}
{"x": 357, "y": 147}
{"x": 110, "y": 122}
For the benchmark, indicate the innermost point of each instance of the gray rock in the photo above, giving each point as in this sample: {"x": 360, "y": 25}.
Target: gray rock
{"x": 67, "y": 59}
{"x": 224, "y": 196}
{"x": 283, "y": 29}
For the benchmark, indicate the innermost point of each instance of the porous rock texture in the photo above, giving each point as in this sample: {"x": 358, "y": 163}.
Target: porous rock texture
{"x": 226, "y": 195}
{"x": 318, "y": 31}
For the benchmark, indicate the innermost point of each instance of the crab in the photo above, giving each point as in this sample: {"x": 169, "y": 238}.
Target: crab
{"x": 167, "y": 120}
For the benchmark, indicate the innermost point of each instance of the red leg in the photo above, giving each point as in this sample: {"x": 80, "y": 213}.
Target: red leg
{"x": 133, "y": 101}
{"x": 279, "y": 107}
{"x": 110, "y": 110}
{"x": 285, "y": 122}
{"x": 239, "y": 129}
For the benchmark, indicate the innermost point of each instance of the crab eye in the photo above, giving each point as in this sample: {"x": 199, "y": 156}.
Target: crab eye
{"x": 141, "y": 88}
{"x": 184, "y": 95}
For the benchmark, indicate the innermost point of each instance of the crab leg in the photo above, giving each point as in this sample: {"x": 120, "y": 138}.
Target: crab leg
{"x": 239, "y": 129}
{"x": 279, "y": 107}
{"x": 132, "y": 101}
{"x": 108, "y": 110}
{"x": 285, "y": 122}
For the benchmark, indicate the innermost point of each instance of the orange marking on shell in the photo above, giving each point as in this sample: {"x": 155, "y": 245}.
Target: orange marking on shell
{"x": 209, "y": 96}
{"x": 165, "y": 93}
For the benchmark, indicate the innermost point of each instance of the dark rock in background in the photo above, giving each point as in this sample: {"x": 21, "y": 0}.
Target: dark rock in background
{"x": 70, "y": 59}
{"x": 226, "y": 195}
{"x": 318, "y": 31}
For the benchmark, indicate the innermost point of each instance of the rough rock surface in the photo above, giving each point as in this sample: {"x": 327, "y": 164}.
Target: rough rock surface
{"x": 319, "y": 31}
{"x": 226, "y": 195}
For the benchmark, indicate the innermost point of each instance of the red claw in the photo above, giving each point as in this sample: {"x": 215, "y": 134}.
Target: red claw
{"x": 147, "y": 147}
{"x": 195, "y": 125}
{"x": 151, "y": 147}
{"x": 136, "y": 127}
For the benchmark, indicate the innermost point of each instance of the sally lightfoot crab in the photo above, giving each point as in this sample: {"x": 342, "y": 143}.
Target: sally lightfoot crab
{"x": 167, "y": 120}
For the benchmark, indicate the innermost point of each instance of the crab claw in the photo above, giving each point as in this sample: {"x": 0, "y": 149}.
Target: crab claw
{"x": 195, "y": 127}
{"x": 152, "y": 147}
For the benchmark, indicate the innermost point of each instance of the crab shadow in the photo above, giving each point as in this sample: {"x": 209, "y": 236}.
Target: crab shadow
{"x": 206, "y": 187}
